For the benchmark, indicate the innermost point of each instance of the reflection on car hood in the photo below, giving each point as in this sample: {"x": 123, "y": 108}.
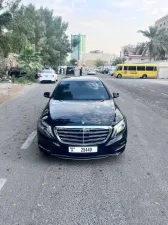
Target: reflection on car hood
{"x": 82, "y": 112}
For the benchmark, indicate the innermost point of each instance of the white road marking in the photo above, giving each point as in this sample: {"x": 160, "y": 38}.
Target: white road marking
{"x": 142, "y": 87}
{"x": 29, "y": 140}
{"x": 2, "y": 182}
{"x": 152, "y": 90}
{"x": 135, "y": 85}
{"x": 164, "y": 94}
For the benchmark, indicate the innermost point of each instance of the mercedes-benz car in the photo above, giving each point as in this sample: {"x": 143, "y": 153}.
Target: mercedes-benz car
{"x": 81, "y": 120}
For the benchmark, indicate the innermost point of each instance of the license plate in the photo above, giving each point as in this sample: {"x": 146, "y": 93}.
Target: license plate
{"x": 82, "y": 149}
{"x": 46, "y": 75}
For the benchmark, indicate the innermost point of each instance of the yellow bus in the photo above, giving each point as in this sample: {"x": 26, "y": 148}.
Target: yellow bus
{"x": 136, "y": 71}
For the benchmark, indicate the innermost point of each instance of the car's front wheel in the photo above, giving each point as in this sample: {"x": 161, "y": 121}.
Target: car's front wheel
{"x": 119, "y": 76}
{"x": 144, "y": 76}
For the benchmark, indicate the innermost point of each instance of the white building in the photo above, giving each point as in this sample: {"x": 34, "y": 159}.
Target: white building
{"x": 162, "y": 22}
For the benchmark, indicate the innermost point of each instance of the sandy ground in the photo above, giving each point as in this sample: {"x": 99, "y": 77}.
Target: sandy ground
{"x": 8, "y": 91}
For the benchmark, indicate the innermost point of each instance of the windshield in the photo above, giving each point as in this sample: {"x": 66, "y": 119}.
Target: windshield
{"x": 47, "y": 71}
{"x": 81, "y": 90}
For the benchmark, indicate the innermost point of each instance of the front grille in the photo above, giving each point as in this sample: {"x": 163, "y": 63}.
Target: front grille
{"x": 83, "y": 135}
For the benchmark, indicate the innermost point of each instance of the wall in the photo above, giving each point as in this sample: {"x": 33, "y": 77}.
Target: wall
{"x": 89, "y": 63}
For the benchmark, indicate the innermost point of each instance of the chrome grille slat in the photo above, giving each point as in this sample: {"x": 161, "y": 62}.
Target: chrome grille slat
{"x": 66, "y": 132}
{"x": 83, "y": 135}
{"x": 92, "y": 140}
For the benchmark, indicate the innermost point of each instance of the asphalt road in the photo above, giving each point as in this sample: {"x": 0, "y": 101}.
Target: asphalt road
{"x": 131, "y": 189}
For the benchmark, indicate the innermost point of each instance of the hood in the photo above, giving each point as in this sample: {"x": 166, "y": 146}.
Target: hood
{"x": 93, "y": 113}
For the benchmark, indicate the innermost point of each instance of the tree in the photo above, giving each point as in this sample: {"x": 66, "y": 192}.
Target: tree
{"x": 99, "y": 63}
{"x": 57, "y": 45}
{"x": 7, "y": 7}
{"x": 30, "y": 62}
{"x": 140, "y": 48}
{"x": 73, "y": 62}
{"x": 118, "y": 60}
{"x": 157, "y": 44}
{"x": 27, "y": 27}
{"x": 41, "y": 29}
{"x": 75, "y": 42}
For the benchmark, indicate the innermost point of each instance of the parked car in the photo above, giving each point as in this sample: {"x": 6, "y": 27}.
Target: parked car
{"x": 91, "y": 72}
{"x": 111, "y": 72}
{"x": 70, "y": 70}
{"x": 105, "y": 71}
{"x": 16, "y": 72}
{"x": 47, "y": 75}
{"x": 81, "y": 120}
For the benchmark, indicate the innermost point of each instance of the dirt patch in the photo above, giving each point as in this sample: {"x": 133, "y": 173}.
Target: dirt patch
{"x": 8, "y": 91}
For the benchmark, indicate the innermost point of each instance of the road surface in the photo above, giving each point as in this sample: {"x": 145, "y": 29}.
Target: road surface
{"x": 131, "y": 189}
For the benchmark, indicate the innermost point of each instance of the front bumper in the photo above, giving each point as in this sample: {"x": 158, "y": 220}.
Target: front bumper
{"x": 53, "y": 79}
{"x": 112, "y": 147}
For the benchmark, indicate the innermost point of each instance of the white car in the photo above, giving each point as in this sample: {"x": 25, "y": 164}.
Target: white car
{"x": 91, "y": 72}
{"x": 47, "y": 75}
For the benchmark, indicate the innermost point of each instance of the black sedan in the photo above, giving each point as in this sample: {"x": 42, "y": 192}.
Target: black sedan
{"x": 81, "y": 121}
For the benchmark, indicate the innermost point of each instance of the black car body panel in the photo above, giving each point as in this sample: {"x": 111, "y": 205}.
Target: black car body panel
{"x": 82, "y": 114}
{"x": 16, "y": 72}
{"x": 66, "y": 112}
{"x": 70, "y": 70}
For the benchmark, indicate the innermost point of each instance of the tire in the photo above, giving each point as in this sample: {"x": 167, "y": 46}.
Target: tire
{"x": 45, "y": 153}
{"x": 13, "y": 76}
{"x": 144, "y": 76}
{"x": 119, "y": 76}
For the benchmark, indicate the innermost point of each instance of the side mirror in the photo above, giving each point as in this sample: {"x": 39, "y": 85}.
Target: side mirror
{"x": 116, "y": 95}
{"x": 47, "y": 94}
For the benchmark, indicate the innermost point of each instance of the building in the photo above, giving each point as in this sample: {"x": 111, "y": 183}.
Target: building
{"x": 96, "y": 51}
{"x": 127, "y": 50}
{"x": 80, "y": 49}
{"x": 162, "y": 22}
{"x": 137, "y": 59}
{"x": 129, "y": 53}
{"x": 89, "y": 59}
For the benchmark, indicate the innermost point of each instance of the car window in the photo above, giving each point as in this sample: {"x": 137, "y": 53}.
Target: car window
{"x": 149, "y": 68}
{"x": 131, "y": 68}
{"x": 81, "y": 90}
{"x": 47, "y": 71}
{"x": 140, "y": 68}
{"x": 119, "y": 68}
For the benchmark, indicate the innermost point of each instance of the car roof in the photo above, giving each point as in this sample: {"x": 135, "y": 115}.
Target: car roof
{"x": 81, "y": 78}
{"x": 45, "y": 70}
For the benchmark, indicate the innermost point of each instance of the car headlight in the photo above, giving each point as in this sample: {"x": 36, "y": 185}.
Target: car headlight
{"x": 119, "y": 127}
{"x": 45, "y": 128}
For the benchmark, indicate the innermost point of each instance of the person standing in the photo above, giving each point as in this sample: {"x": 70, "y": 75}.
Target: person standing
{"x": 81, "y": 71}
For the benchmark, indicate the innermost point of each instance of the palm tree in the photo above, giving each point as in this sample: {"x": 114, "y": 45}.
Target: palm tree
{"x": 157, "y": 44}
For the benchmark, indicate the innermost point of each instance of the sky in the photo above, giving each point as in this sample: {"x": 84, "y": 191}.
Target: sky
{"x": 107, "y": 24}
